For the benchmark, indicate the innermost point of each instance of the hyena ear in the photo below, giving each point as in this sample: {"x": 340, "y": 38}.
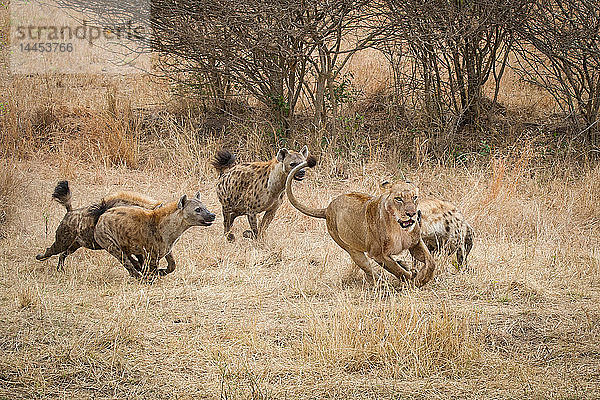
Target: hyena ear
{"x": 304, "y": 151}
{"x": 385, "y": 184}
{"x": 281, "y": 154}
{"x": 198, "y": 195}
{"x": 182, "y": 202}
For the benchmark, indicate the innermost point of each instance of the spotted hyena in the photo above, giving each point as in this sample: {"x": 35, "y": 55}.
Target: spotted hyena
{"x": 77, "y": 226}
{"x": 139, "y": 237}
{"x": 444, "y": 228}
{"x": 252, "y": 188}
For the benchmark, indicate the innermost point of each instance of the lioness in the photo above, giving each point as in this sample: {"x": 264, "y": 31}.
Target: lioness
{"x": 380, "y": 226}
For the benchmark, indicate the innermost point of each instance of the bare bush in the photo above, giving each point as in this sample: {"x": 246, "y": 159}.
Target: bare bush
{"x": 454, "y": 47}
{"x": 559, "y": 50}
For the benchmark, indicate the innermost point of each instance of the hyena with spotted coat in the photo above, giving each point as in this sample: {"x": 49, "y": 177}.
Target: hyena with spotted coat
{"x": 444, "y": 228}
{"x": 139, "y": 238}
{"x": 252, "y": 188}
{"x": 77, "y": 226}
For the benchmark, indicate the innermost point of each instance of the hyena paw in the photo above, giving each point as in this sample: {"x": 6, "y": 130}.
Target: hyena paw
{"x": 249, "y": 234}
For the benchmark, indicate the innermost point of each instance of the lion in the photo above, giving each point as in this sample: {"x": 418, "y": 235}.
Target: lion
{"x": 377, "y": 227}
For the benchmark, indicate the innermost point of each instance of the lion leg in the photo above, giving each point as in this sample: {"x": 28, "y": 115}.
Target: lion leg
{"x": 363, "y": 262}
{"x": 394, "y": 267}
{"x": 252, "y": 233}
{"x": 421, "y": 253}
{"x": 433, "y": 250}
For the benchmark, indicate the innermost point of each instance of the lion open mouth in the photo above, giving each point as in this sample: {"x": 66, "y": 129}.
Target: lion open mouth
{"x": 407, "y": 223}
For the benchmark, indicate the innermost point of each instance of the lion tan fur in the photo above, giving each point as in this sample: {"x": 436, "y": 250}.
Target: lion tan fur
{"x": 377, "y": 227}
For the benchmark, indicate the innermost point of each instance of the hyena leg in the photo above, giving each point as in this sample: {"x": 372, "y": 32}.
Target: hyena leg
{"x": 126, "y": 260}
{"x": 138, "y": 261}
{"x": 59, "y": 246}
{"x": 460, "y": 259}
{"x": 170, "y": 265}
{"x": 64, "y": 238}
{"x": 108, "y": 243}
{"x": 266, "y": 221}
{"x": 252, "y": 233}
{"x": 149, "y": 267}
{"x": 466, "y": 244}
{"x": 228, "y": 219}
{"x": 65, "y": 254}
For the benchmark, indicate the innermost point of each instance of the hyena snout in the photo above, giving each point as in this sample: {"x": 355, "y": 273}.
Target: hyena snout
{"x": 209, "y": 217}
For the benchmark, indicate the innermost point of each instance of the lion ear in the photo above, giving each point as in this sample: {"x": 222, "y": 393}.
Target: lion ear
{"x": 385, "y": 184}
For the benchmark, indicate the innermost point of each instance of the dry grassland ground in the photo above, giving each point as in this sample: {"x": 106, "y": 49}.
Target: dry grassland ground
{"x": 290, "y": 317}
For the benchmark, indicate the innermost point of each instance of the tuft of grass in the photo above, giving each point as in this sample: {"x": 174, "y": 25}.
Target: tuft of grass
{"x": 391, "y": 332}
{"x": 10, "y": 189}
{"x": 25, "y": 296}
{"x": 239, "y": 382}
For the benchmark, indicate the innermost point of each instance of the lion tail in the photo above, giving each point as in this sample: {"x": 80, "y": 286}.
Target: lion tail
{"x": 311, "y": 212}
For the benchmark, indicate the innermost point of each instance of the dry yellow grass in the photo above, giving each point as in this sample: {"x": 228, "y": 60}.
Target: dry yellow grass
{"x": 291, "y": 317}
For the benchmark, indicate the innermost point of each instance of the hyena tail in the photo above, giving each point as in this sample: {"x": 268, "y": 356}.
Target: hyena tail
{"x": 96, "y": 210}
{"x": 223, "y": 161}
{"x": 62, "y": 194}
